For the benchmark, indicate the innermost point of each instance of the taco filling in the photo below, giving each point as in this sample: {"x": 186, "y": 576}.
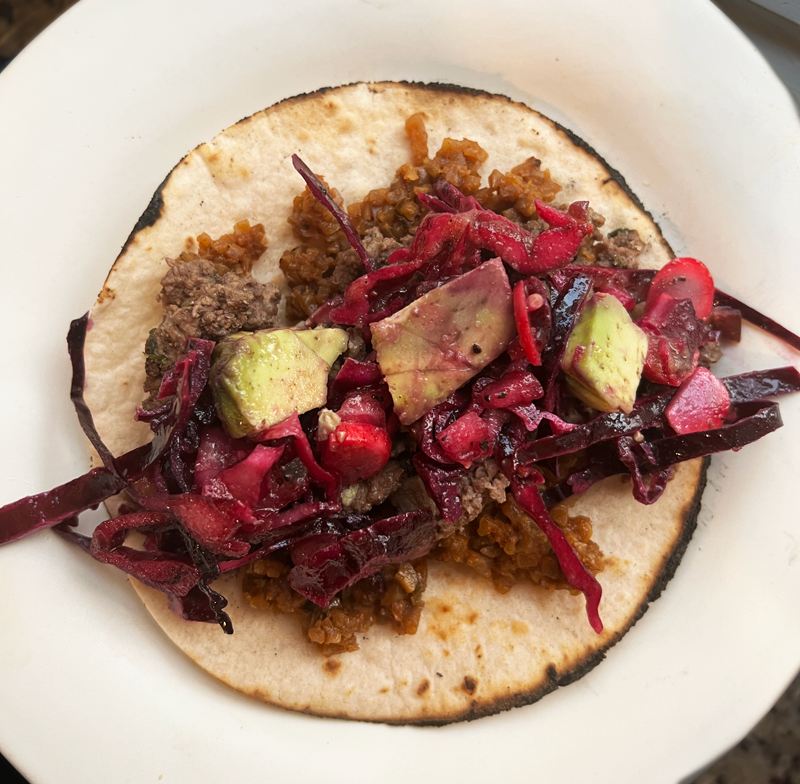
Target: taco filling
{"x": 443, "y": 369}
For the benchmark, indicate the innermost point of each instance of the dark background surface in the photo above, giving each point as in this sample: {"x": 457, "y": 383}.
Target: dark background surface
{"x": 770, "y": 754}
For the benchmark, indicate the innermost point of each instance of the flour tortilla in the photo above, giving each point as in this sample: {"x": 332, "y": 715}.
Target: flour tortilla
{"x": 476, "y": 651}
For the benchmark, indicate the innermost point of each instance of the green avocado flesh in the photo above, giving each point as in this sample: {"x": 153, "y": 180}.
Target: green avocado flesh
{"x": 605, "y": 355}
{"x": 430, "y": 348}
{"x": 260, "y": 378}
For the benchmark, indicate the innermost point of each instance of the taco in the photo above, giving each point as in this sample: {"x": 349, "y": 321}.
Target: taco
{"x": 480, "y": 644}
{"x": 476, "y": 651}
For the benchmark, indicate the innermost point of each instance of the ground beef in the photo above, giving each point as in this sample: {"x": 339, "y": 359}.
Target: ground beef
{"x": 380, "y": 247}
{"x": 371, "y": 492}
{"x": 619, "y": 249}
{"x": 210, "y": 296}
{"x": 356, "y": 347}
{"x": 347, "y": 268}
{"x": 535, "y": 226}
{"x": 483, "y": 484}
{"x": 220, "y": 305}
{"x": 710, "y": 353}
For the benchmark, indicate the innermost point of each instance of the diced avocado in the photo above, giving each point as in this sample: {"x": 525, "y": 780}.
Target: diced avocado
{"x": 260, "y": 378}
{"x": 328, "y": 343}
{"x": 605, "y": 355}
{"x": 430, "y": 348}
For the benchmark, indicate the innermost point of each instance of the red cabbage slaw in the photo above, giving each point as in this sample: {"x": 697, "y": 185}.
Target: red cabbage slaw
{"x": 207, "y": 503}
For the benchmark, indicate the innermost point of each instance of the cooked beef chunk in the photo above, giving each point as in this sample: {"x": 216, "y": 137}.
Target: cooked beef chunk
{"x": 484, "y": 483}
{"x": 200, "y": 302}
{"x": 348, "y": 267}
{"x": 620, "y": 249}
{"x": 363, "y": 496}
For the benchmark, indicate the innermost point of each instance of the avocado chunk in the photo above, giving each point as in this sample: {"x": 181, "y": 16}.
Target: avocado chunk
{"x": 605, "y": 355}
{"x": 260, "y": 378}
{"x": 440, "y": 341}
{"x": 328, "y": 343}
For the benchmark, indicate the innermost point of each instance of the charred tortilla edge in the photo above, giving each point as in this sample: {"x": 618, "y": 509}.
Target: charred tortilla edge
{"x": 155, "y": 207}
{"x": 583, "y": 667}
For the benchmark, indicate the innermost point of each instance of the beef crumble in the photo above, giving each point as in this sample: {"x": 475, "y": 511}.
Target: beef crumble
{"x": 619, "y": 249}
{"x": 210, "y": 294}
{"x": 374, "y": 491}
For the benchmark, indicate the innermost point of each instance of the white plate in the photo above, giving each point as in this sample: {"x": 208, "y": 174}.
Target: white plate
{"x": 96, "y": 112}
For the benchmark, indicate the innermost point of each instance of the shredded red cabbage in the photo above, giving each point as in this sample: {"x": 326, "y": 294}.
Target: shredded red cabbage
{"x": 321, "y": 575}
{"x": 564, "y": 314}
{"x": 343, "y": 219}
{"x": 757, "y": 318}
{"x": 527, "y": 495}
{"x": 207, "y": 503}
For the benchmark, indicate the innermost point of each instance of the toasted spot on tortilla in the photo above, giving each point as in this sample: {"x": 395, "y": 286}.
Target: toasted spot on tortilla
{"x": 384, "y": 690}
{"x": 615, "y": 565}
{"x": 106, "y": 294}
{"x": 448, "y": 621}
{"x": 224, "y": 166}
{"x": 423, "y": 687}
{"x": 332, "y": 666}
{"x": 469, "y": 685}
{"x": 518, "y": 627}
{"x": 478, "y": 652}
